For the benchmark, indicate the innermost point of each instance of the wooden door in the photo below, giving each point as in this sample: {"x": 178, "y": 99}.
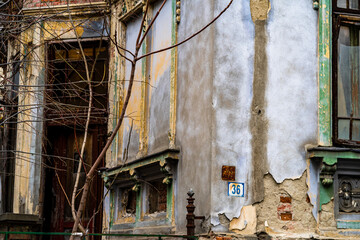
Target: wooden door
{"x": 64, "y": 147}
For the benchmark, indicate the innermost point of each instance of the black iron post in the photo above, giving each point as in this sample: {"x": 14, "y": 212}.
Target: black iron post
{"x": 190, "y": 216}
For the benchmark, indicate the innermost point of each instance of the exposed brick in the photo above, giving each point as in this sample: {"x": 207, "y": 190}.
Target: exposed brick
{"x": 223, "y": 238}
{"x": 285, "y": 199}
{"x": 286, "y": 216}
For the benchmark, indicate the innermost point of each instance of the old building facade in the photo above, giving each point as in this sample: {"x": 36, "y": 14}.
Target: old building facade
{"x": 257, "y": 114}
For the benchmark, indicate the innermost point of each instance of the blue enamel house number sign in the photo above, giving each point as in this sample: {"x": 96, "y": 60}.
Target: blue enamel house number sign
{"x": 236, "y": 189}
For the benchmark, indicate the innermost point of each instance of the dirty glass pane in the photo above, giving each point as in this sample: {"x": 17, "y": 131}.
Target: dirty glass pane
{"x": 341, "y": 3}
{"x": 343, "y": 129}
{"x": 354, "y": 4}
{"x": 345, "y": 58}
{"x": 356, "y": 131}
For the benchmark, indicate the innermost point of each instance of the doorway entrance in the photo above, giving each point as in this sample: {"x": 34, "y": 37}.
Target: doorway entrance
{"x": 68, "y": 95}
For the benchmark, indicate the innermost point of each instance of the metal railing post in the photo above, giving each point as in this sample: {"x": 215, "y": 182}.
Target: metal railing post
{"x": 190, "y": 216}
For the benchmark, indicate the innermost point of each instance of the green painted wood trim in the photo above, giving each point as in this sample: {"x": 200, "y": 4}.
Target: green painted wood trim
{"x": 112, "y": 208}
{"x": 330, "y": 157}
{"x": 173, "y": 78}
{"x": 169, "y": 201}
{"x": 138, "y": 205}
{"x": 325, "y": 109}
{"x": 115, "y": 107}
{"x": 326, "y": 193}
{"x": 161, "y": 158}
{"x": 346, "y": 224}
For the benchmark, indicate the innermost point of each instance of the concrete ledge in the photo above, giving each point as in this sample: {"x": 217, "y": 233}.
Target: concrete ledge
{"x": 20, "y": 218}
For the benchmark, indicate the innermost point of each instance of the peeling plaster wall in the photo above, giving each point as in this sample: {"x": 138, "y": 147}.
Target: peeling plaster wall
{"x": 288, "y": 197}
{"x": 262, "y": 108}
{"x": 194, "y": 109}
{"x": 159, "y": 89}
{"x": 29, "y": 136}
{"x": 133, "y": 111}
{"x": 292, "y": 87}
{"x": 231, "y": 101}
{"x": 246, "y": 97}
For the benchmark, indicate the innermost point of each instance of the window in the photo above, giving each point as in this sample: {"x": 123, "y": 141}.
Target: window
{"x": 142, "y": 192}
{"x": 346, "y": 72}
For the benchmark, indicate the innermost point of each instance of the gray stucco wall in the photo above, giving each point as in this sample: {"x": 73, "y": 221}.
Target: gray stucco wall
{"x": 292, "y": 88}
{"x": 194, "y": 109}
{"x": 159, "y": 89}
{"x": 216, "y": 100}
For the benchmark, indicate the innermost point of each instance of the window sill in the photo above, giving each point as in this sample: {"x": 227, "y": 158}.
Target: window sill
{"x": 20, "y": 218}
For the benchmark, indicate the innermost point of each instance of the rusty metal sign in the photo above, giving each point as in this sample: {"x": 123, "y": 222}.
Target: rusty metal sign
{"x": 228, "y": 173}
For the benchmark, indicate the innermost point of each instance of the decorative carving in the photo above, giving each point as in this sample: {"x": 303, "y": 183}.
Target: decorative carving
{"x": 316, "y": 4}
{"x": 349, "y": 194}
{"x": 178, "y": 11}
{"x": 128, "y": 5}
{"x": 327, "y": 174}
{"x": 168, "y": 170}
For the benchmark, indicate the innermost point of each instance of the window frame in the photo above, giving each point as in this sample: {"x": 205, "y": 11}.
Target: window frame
{"x": 340, "y": 17}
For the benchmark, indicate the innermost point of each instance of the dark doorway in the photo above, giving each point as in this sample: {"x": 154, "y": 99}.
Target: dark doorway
{"x": 67, "y": 100}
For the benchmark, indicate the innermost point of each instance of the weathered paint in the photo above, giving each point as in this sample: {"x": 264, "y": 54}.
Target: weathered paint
{"x": 313, "y": 179}
{"x": 133, "y": 111}
{"x": 325, "y": 109}
{"x": 194, "y": 109}
{"x": 268, "y": 211}
{"x": 292, "y": 87}
{"x": 173, "y": 77}
{"x": 348, "y": 224}
{"x": 145, "y": 82}
{"x": 84, "y": 28}
{"x": 214, "y": 103}
{"x": 160, "y": 74}
{"x": 326, "y": 193}
{"x": 114, "y": 85}
{"x": 246, "y": 223}
{"x": 29, "y": 136}
{"x": 232, "y": 95}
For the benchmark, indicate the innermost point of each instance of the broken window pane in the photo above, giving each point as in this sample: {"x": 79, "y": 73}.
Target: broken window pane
{"x": 127, "y": 203}
{"x": 157, "y": 196}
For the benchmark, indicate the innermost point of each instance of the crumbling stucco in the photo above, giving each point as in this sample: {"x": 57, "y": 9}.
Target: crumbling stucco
{"x": 246, "y": 223}
{"x": 326, "y": 217}
{"x": 290, "y": 194}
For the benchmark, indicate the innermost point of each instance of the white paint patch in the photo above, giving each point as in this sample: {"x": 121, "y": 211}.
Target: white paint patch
{"x": 233, "y": 73}
{"x": 291, "y": 93}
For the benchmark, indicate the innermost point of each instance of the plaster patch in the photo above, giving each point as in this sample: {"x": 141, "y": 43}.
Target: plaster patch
{"x": 259, "y": 9}
{"x": 246, "y": 223}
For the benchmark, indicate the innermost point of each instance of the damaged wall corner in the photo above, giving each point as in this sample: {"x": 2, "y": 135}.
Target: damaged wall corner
{"x": 245, "y": 224}
{"x": 286, "y": 208}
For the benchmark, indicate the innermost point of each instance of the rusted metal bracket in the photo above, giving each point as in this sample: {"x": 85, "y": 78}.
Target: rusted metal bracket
{"x": 190, "y": 216}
